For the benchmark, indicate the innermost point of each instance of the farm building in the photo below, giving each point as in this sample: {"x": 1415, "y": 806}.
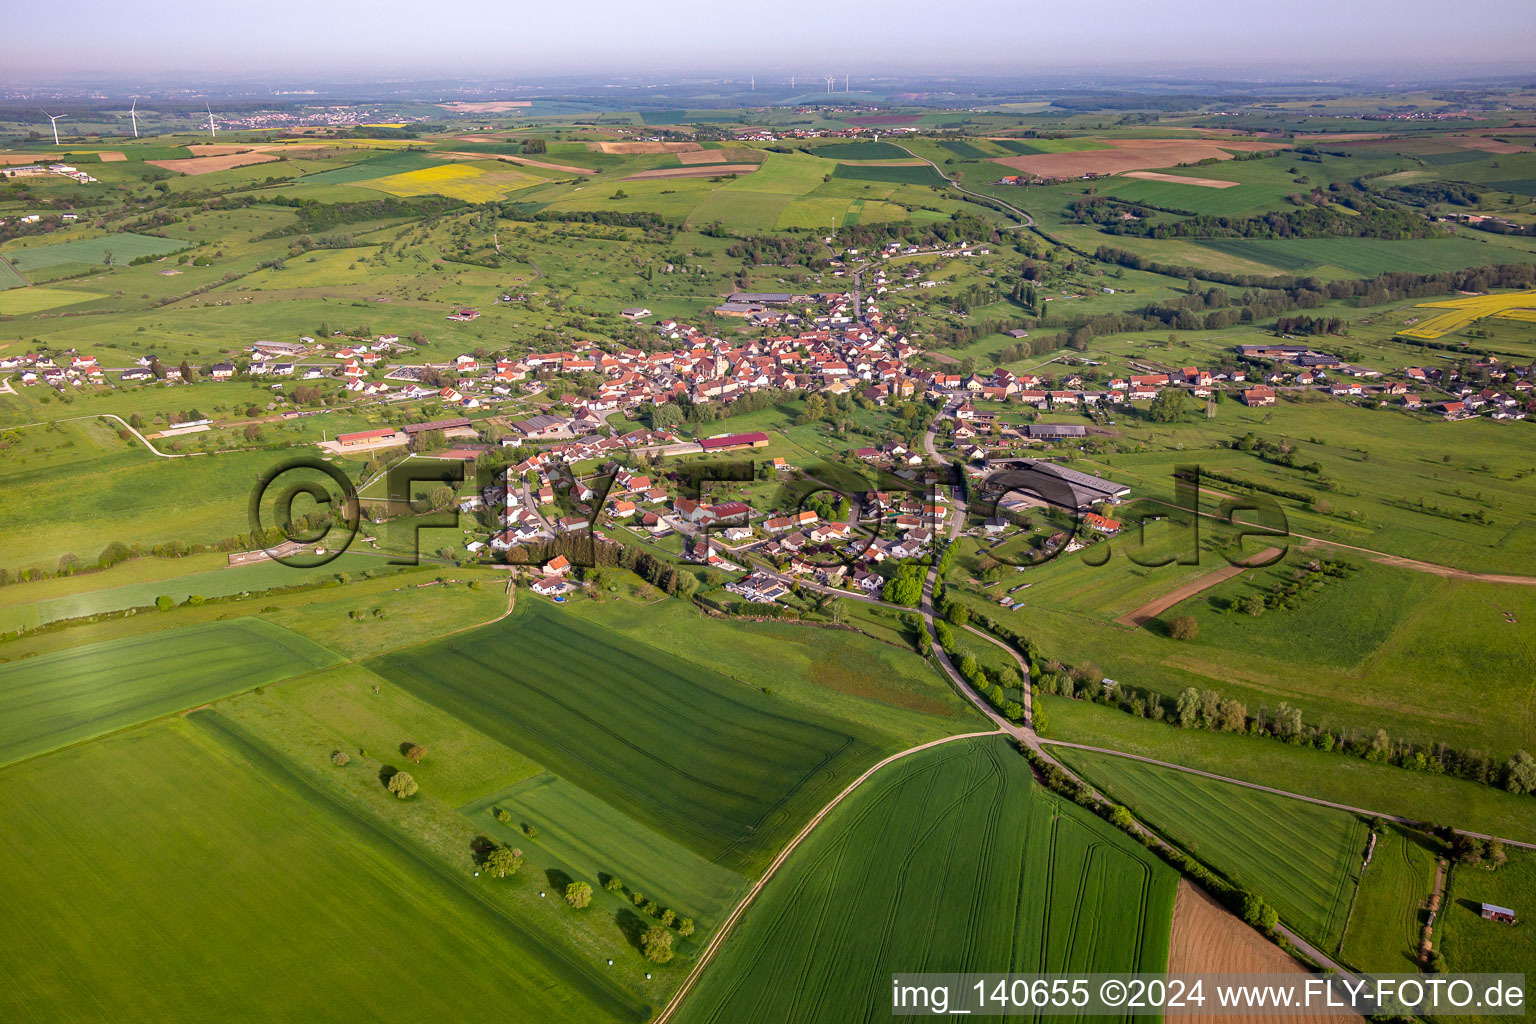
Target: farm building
{"x": 1057, "y": 485}
{"x": 1495, "y": 913}
{"x": 1053, "y": 431}
{"x": 542, "y": 426}
{"x": 734, "y": 442}
{"x": 459, "y": 423}
{"x": 364, "y": 437}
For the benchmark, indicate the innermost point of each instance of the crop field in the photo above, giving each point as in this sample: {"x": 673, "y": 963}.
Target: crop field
{"x": 1328, "y": 776}
{"x": 1390, "y": 908}
{"x": 1303, "y": 859}
{"x": 948, "y": 860}
{"x": 381, "y": 166}
{"x": 906, "y": 174}
{"x": 1036, "y": 147}
{"x": 722, "y": 769}
{"x": 210, "y": 829}
{"x": 122, "y": 248}
{"x": 1461, "y": 312}
{"x": 58, "y": 699}
{"x": 1366, "y": 257}
{"x": 860, "y": 151}
{"x": 471, "y": 182}
{"x": 9, "y": 276}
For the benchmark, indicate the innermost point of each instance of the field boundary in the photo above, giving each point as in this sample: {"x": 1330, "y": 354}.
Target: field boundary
{"x": 735, "y": 915}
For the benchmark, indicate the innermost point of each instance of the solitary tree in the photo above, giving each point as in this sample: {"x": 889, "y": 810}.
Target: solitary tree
{"x": 656, "y": 943}
{"x": 503, "y": 861}
{"x": 578, "y": 894}
{"x": 402, "y": 785}
{"x": 339, "y": 758}
{"x": 1184, "y": 627}
{"x": 685, "y": 927}
{"x": 416, "y": 753}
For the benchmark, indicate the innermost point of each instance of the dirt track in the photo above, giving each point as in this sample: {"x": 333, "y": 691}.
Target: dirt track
{"x": 1208, "y": 939}
{"x": 1152, "y": 609}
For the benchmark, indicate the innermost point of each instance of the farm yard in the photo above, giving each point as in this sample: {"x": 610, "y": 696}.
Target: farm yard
{"x": 1029, "y": 883}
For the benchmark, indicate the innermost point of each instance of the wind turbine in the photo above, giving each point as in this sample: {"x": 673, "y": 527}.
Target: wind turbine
{"x": 830, "y": 80}
{"x": 133, "y": 113}
{"x": 791, "y": 82}
{"x": 845, "y": 82}
{"x": 212, "y": 129}
{"x": 53, "y": 119}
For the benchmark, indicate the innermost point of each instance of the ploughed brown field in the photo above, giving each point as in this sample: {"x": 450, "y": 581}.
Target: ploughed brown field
{"x": 208, "y": 164}
{"x": 1207, "y": 939}
{"x": 1180, "y": 179}
{"x": 1132, "y": 155}
{"x": 492, "y": 107}
{"x": 631, "y": 148}
{"x": 694, "y": 172}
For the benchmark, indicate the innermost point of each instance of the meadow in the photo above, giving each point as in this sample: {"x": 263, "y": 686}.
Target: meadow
{"x": 951, "y": 859}
{"x": 1390, "y": 906}
{"x": 1470, "y": 943}
{"x": 210, "y": 828}
{"x": 723, "y": 769}
{"x": 1303, "y": 859}
{"x": 62, "y": 698}
{"x": 1367, "y": 257}
{"x": 114, "y": 249}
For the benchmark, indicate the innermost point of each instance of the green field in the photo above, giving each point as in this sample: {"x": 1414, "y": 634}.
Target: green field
{"x": 62, "y": 698}
{"x": 1366, "y": 257}
{"x": 860, "y": 151}
{"x": 381, "y": 166}
{"x": 123, "y": 248}
{"x": 268, "y": 898}
{"x": 1473, "y": 944}
{"x": 10, "y": 277}
{"x": 20, "y": 301}
{"x": 1391, "y": 905}
{"x": 1303, "y": 859}
{"x": 722, "y": 769}
{"x": 949, "y": 860}
{"x": 588, "y": 838}
{"x": 1421, "y": 796}
{"x": 907, "y": 174}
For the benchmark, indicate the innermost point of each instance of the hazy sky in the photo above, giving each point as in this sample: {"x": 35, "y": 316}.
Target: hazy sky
{"x": 109, "y": 38}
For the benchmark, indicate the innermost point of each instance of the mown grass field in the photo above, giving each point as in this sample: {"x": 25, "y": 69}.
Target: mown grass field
{"x": 948, "y": 860}
{"x": 721, "y": 768}
{"x": 1303, "y": 859}
{"x": 56, "y": 699}
{"x": 1390, "y": 906}
{"x": 269, "y": 898}
{"x": 21, "y": 301}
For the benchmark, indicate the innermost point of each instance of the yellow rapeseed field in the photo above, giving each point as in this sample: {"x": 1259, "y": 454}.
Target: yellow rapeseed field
{"x": 468, "y": 181}
{"x": 1460, "y": 312}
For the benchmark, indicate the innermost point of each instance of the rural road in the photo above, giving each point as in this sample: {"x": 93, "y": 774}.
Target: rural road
{"x": 1026, "y": 220}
